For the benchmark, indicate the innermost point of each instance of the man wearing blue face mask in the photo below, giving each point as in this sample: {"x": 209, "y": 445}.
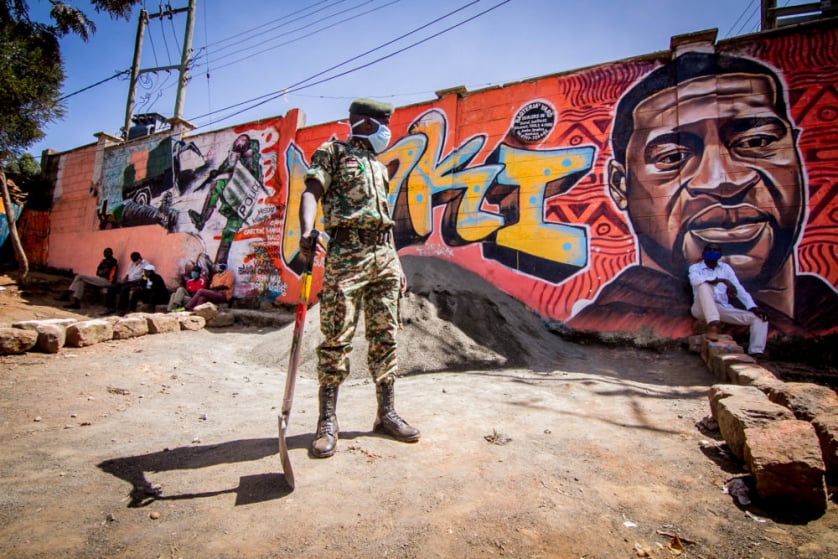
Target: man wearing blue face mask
{"x": 715, "y": 288}
{"x": 362, "y": 268}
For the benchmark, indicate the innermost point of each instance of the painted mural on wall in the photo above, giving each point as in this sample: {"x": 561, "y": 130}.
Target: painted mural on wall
{"x": 217, "y": 188}
{"x": 584, "y": 195}
{"x": 704, "y": 149}
{"x": 588, "y": 195}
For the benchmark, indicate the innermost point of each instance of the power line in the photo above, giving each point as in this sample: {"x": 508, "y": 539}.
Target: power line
{"x": 299, "y": 85}
{"x": 304, "y": 27}
{"x": 91, "y": 86}
{"x": 206, "y": 50}
{"x": 747, "y": 21}
{"x": 729, "y": 31}
{"x": 345, "y": 61}
{"x": 252, "y": 30}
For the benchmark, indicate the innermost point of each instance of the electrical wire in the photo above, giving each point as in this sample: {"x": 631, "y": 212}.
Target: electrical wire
{"x": 729, "y": 31}
{"x": 198, "y": 56}
{"x": 206, "y": 50}
{"x": 345, "y": 61}
{"x": 165, "y": 42}
{"x": 748, "y": 21}
{"x": 91, "y": 86}
{"x": 304, "y": 27}
{"x": 252, "y": 31}
{"x": 299, "y": 85}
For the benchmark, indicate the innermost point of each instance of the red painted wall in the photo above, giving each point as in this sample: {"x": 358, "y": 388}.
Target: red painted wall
{"x": 585, "y": 195}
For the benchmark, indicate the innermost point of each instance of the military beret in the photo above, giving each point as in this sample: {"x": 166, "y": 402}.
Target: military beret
{"x": 371, "y": 107}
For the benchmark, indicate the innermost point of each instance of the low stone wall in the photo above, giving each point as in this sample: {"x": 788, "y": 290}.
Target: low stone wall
{"x": 785, "y": 433}
{"x": 50, "y": 335}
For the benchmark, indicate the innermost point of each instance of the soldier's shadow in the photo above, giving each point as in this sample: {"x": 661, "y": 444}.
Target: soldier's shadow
{"x": 251, "y": 488}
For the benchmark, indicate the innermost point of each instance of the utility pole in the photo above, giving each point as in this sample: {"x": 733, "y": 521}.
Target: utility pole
{"x": 774, "y": 17}
{"x": 182, "y": 68}
{"x": 184, "y": 60}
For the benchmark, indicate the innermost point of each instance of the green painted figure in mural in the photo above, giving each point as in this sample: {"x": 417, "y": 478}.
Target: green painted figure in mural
{"x": 236, "y": 186}
{"x": 362, "y": 268}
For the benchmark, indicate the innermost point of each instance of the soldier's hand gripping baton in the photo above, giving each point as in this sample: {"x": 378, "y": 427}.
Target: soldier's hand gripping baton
{"x": 294, "y": 361}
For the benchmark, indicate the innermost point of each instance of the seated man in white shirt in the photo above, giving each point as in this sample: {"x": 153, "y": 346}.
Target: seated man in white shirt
{"x": 714, "y": 284}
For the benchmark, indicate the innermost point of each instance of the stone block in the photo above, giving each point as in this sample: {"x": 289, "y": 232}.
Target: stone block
{"x": 724, "y": 344}
{"x": 60, "y": 322}
{"x": 721, "y": 391}
{"x": 189, "y": 321}
{"x": 130, "y": 327}
{"x": 161, "y": 323}
{"x": 826, "y": 427}
{"x": 207, "y": 310}
{"x": 735, "y": 414}
{"x": 52, "y": 333}
{"x": 805, "y": 399}
{"x": 719, "y": 363}
{"x": 752, "y": 374}
{"x": 89, "y": 332}
{"x": 17, "y": 340}
{"x": 784, "y": 457}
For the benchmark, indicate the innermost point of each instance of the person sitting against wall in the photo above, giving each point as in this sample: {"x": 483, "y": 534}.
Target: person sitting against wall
{"x": 192, "y": 283}
{"x": 219, "y": 291}
{"x": 151, "y": 291}
{"x": 105, "y": 277}
{"x": 119, "y": 293}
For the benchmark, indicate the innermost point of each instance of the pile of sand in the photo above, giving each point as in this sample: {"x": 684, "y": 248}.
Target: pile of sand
{"x": 452, "y": 320}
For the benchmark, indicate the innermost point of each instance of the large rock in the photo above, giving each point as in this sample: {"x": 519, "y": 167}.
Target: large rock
{"x": 805, "y": 399}
{"x": 826, "y": 426}
{"x": 52, "y": 333}
{"x": 17, "y": 340}
{"x": 159, "y": 323}
{"x": 785, "y": 459}
{"x": 130, "y": 327}
{"x": 724, "y": 344}
{"x": 190, "y": 321}
{"x": 751, "y": 374}
{"x": 720, "y": 391}
{"x": 207, "y": 310}
{"x": 89, "y": 332}
{"x": 30, "y": 324}
{"x": 735, "y": 414}
{"x": 720, "y": 363}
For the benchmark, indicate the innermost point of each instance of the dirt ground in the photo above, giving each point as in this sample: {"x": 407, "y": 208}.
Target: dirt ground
{"x": 166, "y": 446}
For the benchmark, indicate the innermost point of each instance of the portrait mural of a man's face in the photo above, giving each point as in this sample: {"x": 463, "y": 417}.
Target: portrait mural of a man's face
{"x": 712, "y": 158}
{"x": 704, "y": 150}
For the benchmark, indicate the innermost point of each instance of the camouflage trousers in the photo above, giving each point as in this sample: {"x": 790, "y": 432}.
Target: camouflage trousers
{"x": 359, "y": 276}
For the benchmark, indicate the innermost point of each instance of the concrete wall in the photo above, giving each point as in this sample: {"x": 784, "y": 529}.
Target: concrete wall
{"x": 585, "y": 195}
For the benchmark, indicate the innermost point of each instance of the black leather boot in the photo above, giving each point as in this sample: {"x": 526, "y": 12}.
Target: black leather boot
{"x": 326, "y": 439}
{"x": 388, "y": 422}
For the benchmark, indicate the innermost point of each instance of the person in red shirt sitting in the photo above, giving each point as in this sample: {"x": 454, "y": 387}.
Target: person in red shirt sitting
{"x": 192, "y": 283}
{"x": 219, "y": 291}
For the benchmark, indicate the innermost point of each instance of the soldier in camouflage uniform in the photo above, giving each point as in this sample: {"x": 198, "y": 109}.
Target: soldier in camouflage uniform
{"x": 362, "y": 267}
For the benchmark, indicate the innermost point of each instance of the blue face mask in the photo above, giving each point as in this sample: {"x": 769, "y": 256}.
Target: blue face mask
{"x": 379, "y": 140}
{"x": 711, "y": 255}
{"x": 194, "y": 275}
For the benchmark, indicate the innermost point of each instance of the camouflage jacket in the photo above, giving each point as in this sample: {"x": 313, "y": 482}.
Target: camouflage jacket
{"x": 355, "y": 186}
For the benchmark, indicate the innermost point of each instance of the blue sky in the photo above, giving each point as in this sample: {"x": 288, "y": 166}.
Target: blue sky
{"x": 246, "y": 49}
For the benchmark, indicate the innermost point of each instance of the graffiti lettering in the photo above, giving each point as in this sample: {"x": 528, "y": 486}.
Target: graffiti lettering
{"x": 517, "y": 181}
